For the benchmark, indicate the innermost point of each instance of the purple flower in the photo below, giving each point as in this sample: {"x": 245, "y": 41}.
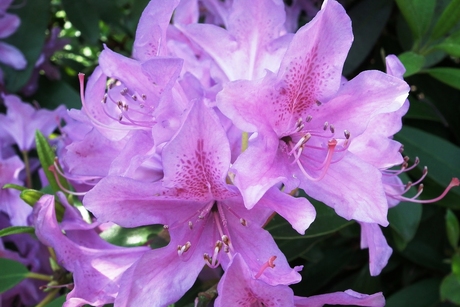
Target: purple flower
{"x": 303, "y": 121}
{"x": 9, "y": 23}
{"x": 96, "y": 265}
{"x": 22, "y": 120}
{"x": 204, "y": 215}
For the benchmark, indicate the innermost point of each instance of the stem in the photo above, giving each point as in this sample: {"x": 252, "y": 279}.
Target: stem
{"x": 25, "y": 156}
{"x": 48, "y": 298}
{"x": 39, "y": 276}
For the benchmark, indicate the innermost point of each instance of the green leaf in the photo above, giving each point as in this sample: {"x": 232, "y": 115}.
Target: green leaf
{"x": 14, "y": 186}
{"x": 404, "y": 220}
{"x": 412, "y": 61}
{"x": 440, "y": 156}
{"x": 418, "y": 14}
{"x": 450, "y": 76}
{"x": 369, "y": 18}
{"x": 131, "y": 236}
{"x": 29, "y": 38}
{"x": 450, "y": 45}
{"x": 55, "y": 93}
{"x": 15, "y": 230}
{"x": 452, "y": 229}
{"x": 456, "y": 265}
{"x": 58, "y": 302}
{"x": 449, "y": 18}
{"x": 47, "y": 156}
{"x": 420, "y": 294}
{"x": 11, "y": 273}
{"x": 450, "y": 289}
{"x": 83, "y": 15}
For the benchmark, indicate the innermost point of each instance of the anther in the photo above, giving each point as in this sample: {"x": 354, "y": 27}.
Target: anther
{"x": 144, "y": 97}
{"x": 326, "y": 124}
{"x": 226, "y": 240}
{"x": 141, "y": 105}
{"x": 125, "y": 107}
{"x": 120, "y": 117}
{"x": 104, "y": 99}
{"x": 166, "y": 227}
{"x": 190, "y": 225}
{"x": 120, "y": 104}
{"x": 134, "y": 97}
{"x": 269, "y": 264}
{"x": 346, "y": 133}
{"x": 318, "y": 103}
{"x": 401, "y": 149}
{"x": 184, "y": 248}
{"x": 331, "y": 127}
{"x": 406, "y": 159}
{"x": 124, "y": 91}
{"x": 309, "y": 118}
{"x": 243, "y": 222}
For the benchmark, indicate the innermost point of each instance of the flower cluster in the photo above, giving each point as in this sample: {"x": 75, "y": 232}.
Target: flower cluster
{"x": 209, "y": 130}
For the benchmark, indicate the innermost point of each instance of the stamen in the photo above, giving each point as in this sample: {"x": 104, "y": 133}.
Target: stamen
{"x": 52, "y": 169}
{"x": 325, "y": 165}
{"x": 269, "y": 264}
{"x": 326, "y": 124}
{"x": 183, "y": 249}
{"x": 190, "y": 225}
{"x": 243, "y": 222}
{"x": 166, "y": 227}
{"x": 309, "y": 118}
{"x": 331, "y": 127}
{"x": 455, "y": 182}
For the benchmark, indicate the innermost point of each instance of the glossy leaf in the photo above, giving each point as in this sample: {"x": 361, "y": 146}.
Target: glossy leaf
{"x": 440, "y": 156}
{"x": 420, "y": 294}
{"x": 412, "y": 61}
{"x": 450, "y": 289}
{"x": 452, "y": 229}
{"x": 11, "y": 273}
{"x": 368, "y": 18}
{"x": 448, "y": 75}
{"x": 418, "y": 14}
{"x": 451, "y": 45}
{"x": 449, "y": 18}
{"x": 456, "y": 265}
{"x": 130, "y": 236}
{"x": 404, "y": 220}
{"x": 29, "y": 38}
{"x": 15, "y": 230}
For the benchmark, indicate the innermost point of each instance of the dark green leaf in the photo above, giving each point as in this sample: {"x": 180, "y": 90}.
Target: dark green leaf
{"x": 440, "y": 156}
{"x": 418, "y": 14}
{"x": 83, "y": 15}
{"x": 29, "y": 38}
{"x": 421, "y": 294}
{"x": 108, "y": 11}
{"x": 450, "y": 76}
{"x": 11, "y": 273}
{"x": 368, "y": 18}
{"x": 450, "y": 45}
{"x": 449, "y": 18}
{"x": 456, "y": 265}
{"x": 412, "y": 61}
{"x": 58, "y": 302}
{"x": 450, "y": 289}
{"x": 404, "y": 219}
{"x": 55, "y": 93}
{"x": 15, "y": 230}
{"x": 452, "y": 229}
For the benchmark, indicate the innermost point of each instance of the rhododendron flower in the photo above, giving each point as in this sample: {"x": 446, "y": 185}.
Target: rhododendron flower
{"x": 22, "y": 120}
{"x": 9, "y": 23}
{"x": 96, "y": 265}
{"x": 304, "y": 119}
{"x": 204, "y": 215}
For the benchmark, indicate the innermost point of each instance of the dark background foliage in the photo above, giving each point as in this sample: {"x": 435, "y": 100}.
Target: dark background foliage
{"x": 424, "y": 269}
